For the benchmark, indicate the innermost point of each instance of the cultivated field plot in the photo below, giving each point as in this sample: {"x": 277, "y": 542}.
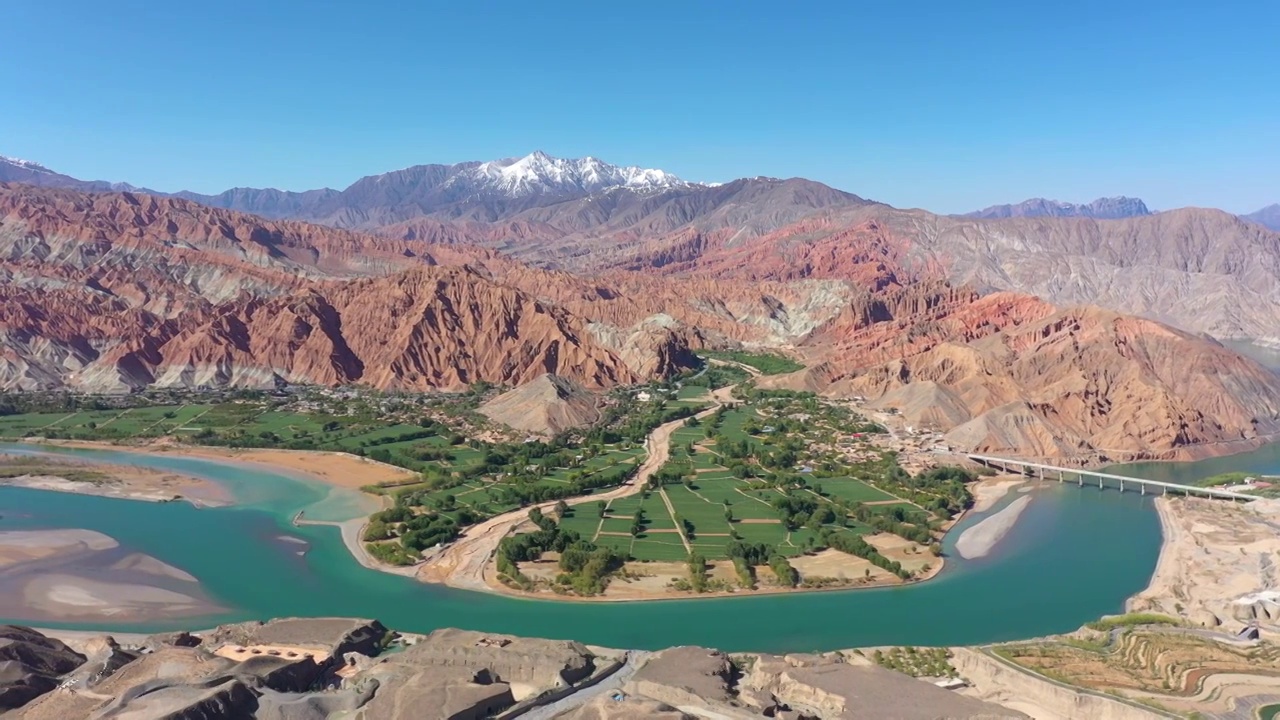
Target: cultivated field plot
{"x": 734, "y": 421}
{"x": 619, "y": 544}
{"x": 665, "y": 547}
{"x": 16, "y": 426}
{"x": 707, "y": 518}
{"x": 771, "y": 534}
{"x": 852, "y": 490}
{"x": 729, "y": 493}
{"x": 692, "y": 392}
{"x": 686, "y": 435}
{"x": 582, "y": 519}
{"x": 104, "y": 424}
{"x": 1154, "y": 661}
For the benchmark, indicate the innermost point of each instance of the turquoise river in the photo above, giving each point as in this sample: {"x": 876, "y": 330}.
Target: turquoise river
{"x": 1074, "y": 555}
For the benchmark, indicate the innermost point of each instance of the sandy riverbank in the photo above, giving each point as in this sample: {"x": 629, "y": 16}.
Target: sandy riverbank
{"x": 76, "y": 575}
{"x": 980, "y": 539}
{"x": 128, "y": 482}
{"x": 338, "y": 469}
{"x": 1217, "y": 563}
{"x": 987, "y": 493}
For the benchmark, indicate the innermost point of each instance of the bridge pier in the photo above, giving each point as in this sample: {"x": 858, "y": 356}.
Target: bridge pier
{"x": 1059, "y": 476}
{"x": 1080, "y": 479}
{"x": 1144, "y": 488}
{"x": 1121, "y": 486}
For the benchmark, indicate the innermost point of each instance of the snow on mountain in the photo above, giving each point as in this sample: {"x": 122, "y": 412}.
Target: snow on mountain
{"x": 539, "y": 174}
{"x": 25, "y": 164}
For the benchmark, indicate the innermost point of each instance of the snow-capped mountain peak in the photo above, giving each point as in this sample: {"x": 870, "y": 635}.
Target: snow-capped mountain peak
{"x": 26, "y": 164}
{"x": 539, "y": 173}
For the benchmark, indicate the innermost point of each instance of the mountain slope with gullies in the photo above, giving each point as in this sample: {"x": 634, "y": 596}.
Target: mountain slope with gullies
{"x": 1202, "y": 270}
{"x": 113, "y": 291}
{"x": 108, "y": 292}
{"x": 1199, "y": 269}
{"x": 422, "y": 329}
{"x": 1010, "y": 374}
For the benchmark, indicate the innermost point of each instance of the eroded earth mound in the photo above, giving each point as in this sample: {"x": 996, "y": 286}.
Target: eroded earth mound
{"x": 328, "y": 668}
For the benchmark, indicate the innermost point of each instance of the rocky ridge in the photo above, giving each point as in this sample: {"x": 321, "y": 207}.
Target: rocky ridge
{"x": 315, "y": 669}
{"x": 1112, "y": 208}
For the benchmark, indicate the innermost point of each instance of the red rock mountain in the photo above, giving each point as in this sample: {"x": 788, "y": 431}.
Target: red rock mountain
{"x": 114, "y": 291}
{"x": 118, "y": 290}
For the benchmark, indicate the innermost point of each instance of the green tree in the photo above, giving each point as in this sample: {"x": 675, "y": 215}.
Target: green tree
{"x": 697, "y": 572}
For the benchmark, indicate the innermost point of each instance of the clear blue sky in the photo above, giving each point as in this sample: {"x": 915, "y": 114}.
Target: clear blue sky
{"x": 945, "y": 105}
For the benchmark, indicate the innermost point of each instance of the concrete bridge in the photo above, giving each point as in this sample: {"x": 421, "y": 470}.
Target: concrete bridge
{"x": 1023, "y": 467}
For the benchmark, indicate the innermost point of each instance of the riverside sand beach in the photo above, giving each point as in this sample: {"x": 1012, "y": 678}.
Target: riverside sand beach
{"x": 338, "y": 469}
{"x": 76, "y": 475}
{"x": 982, "y": 538}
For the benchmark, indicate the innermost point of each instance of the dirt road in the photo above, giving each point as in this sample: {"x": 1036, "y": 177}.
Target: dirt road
{"x": 462, "y": 564}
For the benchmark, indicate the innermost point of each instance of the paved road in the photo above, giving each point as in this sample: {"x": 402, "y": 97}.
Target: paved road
{"x": 613, "y": 683}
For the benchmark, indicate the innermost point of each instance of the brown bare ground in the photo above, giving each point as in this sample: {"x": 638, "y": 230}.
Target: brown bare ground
{"x": 333, "y": 468}
{"x": 121, "y": 481}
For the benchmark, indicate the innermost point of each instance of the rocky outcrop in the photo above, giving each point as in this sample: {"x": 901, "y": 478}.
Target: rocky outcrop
{"x": 685, "y": 676}
{"x": 464, "y": 675}
{"x": 542, "y": 663}
{"x": 30, "y": 664}
{"x": 473, "y": 675}
{"x": 829, "y": 687}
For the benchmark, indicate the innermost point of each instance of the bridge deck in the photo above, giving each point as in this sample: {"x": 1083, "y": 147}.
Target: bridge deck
{"x": 1188, "y": 489}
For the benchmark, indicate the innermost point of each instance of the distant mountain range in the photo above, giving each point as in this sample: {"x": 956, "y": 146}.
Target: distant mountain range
{"x": 538, "y": 186}
{"x": 1268, "y": 216}
{"x": 486, "y": 191}
{"x": 33, "y": 173}
{"x": 1112, "y": 208}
